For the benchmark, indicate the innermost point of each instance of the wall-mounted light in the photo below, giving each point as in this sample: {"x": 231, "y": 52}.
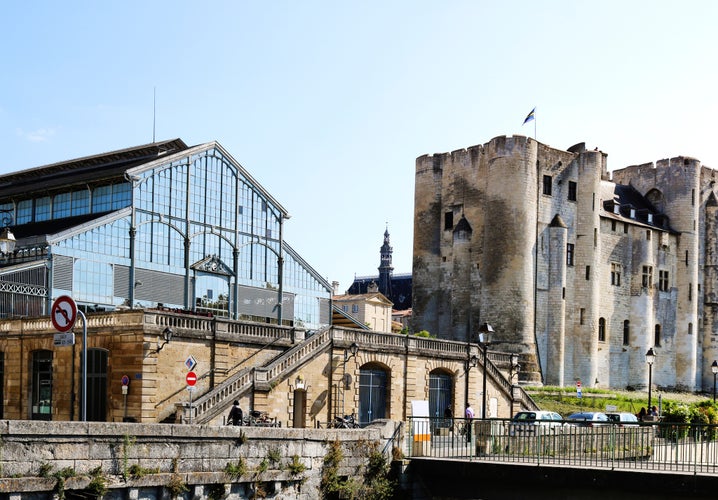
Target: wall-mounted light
{"x": 7, "y": 239}
{"x": 166, "y": 336}
{"x": 353, "y": 349}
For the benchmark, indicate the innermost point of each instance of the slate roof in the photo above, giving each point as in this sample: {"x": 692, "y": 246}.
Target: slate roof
{"x": 400, "y": 288}
{"x": 104, "y": 166}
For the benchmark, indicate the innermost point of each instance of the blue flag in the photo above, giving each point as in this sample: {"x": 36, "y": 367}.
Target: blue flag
{"x": 529, "y": 117}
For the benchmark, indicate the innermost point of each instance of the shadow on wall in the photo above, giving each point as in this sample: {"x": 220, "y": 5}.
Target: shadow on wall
{"x": 319, "y": 404}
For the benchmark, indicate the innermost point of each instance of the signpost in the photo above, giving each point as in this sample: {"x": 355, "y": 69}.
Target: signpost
{"x": 63, "y": 315}
{"x": 125, "y": 386}
{"x": 578, "y": 389}
{"x": 191, "y": 380}
{"x": 63, "y": 339}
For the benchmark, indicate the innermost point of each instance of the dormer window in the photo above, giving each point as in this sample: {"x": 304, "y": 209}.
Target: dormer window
{"x": 616, "y": 208}
{"x": 633, "y": 213}
{"x": 650, "y": 218}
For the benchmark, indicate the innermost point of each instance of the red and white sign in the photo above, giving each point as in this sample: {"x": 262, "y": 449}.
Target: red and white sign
{"x": 191, "y": 378}
{"x": 63, "y": 313}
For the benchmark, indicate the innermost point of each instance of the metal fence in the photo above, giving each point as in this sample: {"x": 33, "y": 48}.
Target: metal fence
{"x": 690, "y": 448}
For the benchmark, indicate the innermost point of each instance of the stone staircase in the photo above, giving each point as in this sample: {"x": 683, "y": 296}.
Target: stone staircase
{"x": 215, "y": 402}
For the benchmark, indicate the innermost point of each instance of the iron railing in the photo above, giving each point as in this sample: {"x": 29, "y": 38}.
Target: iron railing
{"x": 684, "y": 448}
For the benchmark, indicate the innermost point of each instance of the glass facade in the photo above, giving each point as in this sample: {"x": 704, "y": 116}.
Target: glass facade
{"x": 196, "y": 220}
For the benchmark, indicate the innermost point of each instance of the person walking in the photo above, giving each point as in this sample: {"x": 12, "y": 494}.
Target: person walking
{"x": 469, "y": 414}
{"x": 235, "y": 414}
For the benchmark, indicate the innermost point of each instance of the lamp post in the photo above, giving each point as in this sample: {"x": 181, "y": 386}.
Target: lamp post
{"x": 650, "y": 358}
{"x": 471, "y": 362}
{"x": 7, "y": 239}
{"x": 485, "y": 332}
{"x": 353, "y": 349}
{"x": 714, "y": 369}
{"x": 513, "y": 370}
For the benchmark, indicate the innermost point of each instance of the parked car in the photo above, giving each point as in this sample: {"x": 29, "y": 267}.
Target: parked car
{"x": 587, "y": 419}
{"x": 623, "y": 418}
{"x": 533, "y": 422}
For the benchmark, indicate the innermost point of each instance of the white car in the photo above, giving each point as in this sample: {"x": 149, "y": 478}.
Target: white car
{"x": 535, "y": 422}
{"x": 623, "y": 418}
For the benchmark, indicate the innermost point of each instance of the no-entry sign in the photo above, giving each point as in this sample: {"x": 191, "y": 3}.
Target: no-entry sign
{"x": 63, "y": 313}
{"x": 191, "y": 378}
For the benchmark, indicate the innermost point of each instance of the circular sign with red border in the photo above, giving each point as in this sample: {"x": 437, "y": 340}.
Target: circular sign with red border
{"x": 63, "y": 313}
{"x": 191, "y": 378}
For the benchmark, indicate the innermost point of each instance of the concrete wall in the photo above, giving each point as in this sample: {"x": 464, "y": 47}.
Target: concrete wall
{"x": 449, "y": 479}
{"x": 193, "y": 455}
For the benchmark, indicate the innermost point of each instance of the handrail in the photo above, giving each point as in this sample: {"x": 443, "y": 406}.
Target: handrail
{"x": 214, "y": 401}
{"x": 293, "y": 357}
{"x": 392, "y": 440}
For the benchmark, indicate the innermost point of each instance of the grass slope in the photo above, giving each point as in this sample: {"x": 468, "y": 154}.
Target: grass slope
{"x": 564, "y": 400}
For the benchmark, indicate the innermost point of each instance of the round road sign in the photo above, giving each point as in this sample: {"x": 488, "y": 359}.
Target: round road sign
{"x": 125, "y": 380}
{"x": 63, "y": 313}
{"x": 191, "y": 378}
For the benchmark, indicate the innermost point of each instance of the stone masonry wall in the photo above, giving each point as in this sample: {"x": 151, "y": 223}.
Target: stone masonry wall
{"x": 195, "y": 456}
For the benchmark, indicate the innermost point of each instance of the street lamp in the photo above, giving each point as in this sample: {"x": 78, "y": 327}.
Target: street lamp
{"x": 471, "y": 361}
{"x": 485, "y": 332}
{"x": 714, "y": 369}
{"x": 166, "y": 337}
{"x": 650, "y": 358}
{"x": 513, "y": 370}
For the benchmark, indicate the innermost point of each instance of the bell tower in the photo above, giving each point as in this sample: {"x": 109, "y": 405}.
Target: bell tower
{"x": 385, "y": 269}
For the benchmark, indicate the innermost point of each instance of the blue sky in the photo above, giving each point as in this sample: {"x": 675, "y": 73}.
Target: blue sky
{"x": 328, "y": 104}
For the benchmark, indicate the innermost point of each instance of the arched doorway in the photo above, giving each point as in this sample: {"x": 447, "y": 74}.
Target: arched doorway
{"x": 373, "y": 393}
{"x": 96, "y": 385}
{"x": 41, "y": 388}
{"x": 441, "y": 393}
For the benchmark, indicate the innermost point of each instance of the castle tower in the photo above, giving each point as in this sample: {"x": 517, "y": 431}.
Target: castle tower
{"x": 385, "y": 267}
{"x": 556, "y": 311}
{"x": 509, "y": 239}
{"x": 710, "y": 313}
{"x": 588, "y": 261}
{"x": 667, "y": 313}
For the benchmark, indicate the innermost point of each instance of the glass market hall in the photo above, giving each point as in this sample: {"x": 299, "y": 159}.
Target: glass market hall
{"x": 162, "y": 225}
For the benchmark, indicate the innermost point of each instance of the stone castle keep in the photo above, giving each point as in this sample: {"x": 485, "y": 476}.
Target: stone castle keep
{"x": 577, "y": 271}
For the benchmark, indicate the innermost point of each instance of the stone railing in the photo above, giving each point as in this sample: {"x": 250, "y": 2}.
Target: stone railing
{"x": 215, "y": 401}
{"x": 264, "y": 376}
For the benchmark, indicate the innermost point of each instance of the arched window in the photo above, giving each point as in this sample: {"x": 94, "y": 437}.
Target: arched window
{"x": 657, "y": 199}
{"x": 601, "y": 329}
{"x": 96, "y": 385}
{"x": 441, "y": 393}
{"x": 626, "y": 332}
{"x": 41, "y": 388}
{"x": 373, "y": 394}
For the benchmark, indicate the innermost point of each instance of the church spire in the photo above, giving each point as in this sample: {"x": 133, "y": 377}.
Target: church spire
{"x": 385, "y": 268}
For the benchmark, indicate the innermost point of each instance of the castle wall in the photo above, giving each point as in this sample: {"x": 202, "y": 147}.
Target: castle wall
{"x": 710, "y": 311}
{"x": 675, "y": 185}
{"x": 514, "y": 271}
